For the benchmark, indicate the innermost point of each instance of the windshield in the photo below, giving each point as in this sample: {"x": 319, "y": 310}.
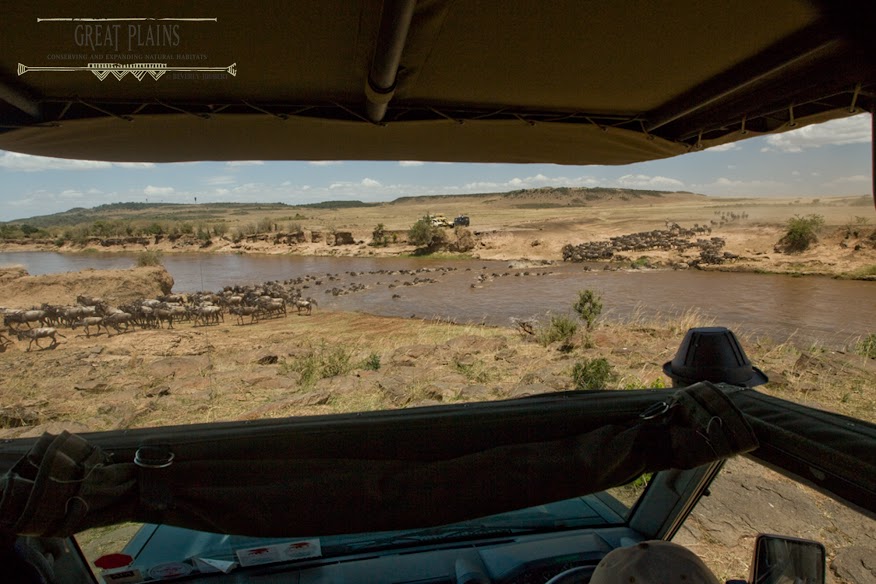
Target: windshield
{"x": 156, "y": 545}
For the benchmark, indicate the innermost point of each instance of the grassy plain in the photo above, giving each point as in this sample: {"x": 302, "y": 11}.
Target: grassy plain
{"x": 334, "y": 362}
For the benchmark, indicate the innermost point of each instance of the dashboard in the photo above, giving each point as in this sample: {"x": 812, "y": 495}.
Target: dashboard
{"x": 526, "y": 559}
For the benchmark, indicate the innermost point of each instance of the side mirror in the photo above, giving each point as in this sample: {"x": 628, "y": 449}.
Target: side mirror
{"x": 787, "y": 560}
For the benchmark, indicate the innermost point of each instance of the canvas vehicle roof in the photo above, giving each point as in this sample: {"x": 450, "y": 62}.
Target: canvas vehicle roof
{"x": 567, "y": 81}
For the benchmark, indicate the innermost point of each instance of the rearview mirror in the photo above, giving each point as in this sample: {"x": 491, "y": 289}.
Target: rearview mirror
{"x": 787, "y": 560}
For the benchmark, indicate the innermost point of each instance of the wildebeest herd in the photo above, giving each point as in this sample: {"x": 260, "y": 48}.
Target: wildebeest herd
{"x": 674, "y": 237}
{"x": 248, "y": 304}
{"x": 242, "y": 305}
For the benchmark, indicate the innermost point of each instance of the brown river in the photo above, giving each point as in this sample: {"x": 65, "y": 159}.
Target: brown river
{"x": 809, "y": 309}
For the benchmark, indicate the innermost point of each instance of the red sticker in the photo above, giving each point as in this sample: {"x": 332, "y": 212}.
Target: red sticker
{"x": 110, "y": 561}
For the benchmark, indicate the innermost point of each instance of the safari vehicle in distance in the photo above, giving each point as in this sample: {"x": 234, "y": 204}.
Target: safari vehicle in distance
{"x": 511, "y": 491}
{"x": 440, "y": 220}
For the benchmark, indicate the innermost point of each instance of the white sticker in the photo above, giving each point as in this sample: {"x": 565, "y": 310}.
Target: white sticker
{"x": 169, "y": 570}
{"x": 281, "y": 552}
{"x": 208, "y": 565}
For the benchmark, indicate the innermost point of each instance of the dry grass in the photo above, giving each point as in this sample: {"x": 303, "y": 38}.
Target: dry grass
{"x": 206, "y": 375}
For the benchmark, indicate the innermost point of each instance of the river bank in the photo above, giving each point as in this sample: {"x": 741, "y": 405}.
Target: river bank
{"x": 532, "y": 226}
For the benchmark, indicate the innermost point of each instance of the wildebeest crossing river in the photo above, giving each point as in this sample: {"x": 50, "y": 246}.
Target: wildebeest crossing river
{"x": 465, "y": 291}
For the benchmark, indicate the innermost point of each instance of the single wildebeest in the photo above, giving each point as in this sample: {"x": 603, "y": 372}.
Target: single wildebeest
{"x": 25, "y": 317}
{"x": 88, "y": 300}
{"x": 252, "y": 312}
{"x": 88, "y": 322}
{"x": 117, "y": 320}
{"x": 34, "y": 336}
{"x": 305, "y": 304}
{"x": 208, "y": 314}
{"x": 73, "y": 313}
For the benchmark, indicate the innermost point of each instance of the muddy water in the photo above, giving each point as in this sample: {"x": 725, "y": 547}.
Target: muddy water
{"x": 808, "y": 309}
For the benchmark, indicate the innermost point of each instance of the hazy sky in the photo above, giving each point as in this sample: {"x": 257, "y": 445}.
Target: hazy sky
{"x": 827, "y": 159}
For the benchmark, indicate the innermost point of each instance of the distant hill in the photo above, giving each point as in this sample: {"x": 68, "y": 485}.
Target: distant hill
{"x": 147, "y": 212}
{"x": 544, "y": 197}
{"x": 338, "y": 205}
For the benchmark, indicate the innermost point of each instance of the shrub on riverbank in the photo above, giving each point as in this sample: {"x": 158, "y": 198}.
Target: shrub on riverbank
{"x": 425, "y": 235}
{"x": 867, "y": 346}
{"x": 801, "y": 233}
{"x": 320, "y": 362}
{"x": 588, "y": 307}
{"x": 562, "y": 329}
{"x": 378, "y": 236}
{"x": 589, "y": 374}
{"x": 149, "y": 258}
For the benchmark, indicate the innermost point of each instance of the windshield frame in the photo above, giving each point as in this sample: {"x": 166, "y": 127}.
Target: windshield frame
{"x": 665, "y": 501}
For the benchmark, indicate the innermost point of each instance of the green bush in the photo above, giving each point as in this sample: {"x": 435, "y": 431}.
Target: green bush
{"x": 265, "y": 225}
{"x": 372, "y": 362}
{"x": 10, "y": 231}
{"x": 378, "y": 236}
{"x": 642, "y": 480}
{"x": 76, "y": 235}
{"x": 336, "y": 362}
{"x": 149, "y": 258}
{"x": 425, "y": 235}
{"x": 306, "y": 366}
{"x": 561, "y": 328}
{"x": 588, "y": 307}
{"x": 801, "y": 232}
{"x": 592, "y": 374}
{"x": 319, "y": 363}
{"x": 867, "y": 346}
{"x": 155, "y": 229}
{"x": 474, "y": 371}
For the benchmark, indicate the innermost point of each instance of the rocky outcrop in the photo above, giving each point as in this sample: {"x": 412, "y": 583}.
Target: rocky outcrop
{"x": 115, "y": 286}
{"x": 343, "y": 238}
{"x": 461, "y": 241}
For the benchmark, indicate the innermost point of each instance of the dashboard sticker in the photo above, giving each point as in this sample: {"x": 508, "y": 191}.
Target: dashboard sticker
{"x": 282, "y": 552}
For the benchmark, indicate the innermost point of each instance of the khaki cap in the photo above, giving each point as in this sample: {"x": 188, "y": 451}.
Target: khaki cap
{"x": 652, "y": 562}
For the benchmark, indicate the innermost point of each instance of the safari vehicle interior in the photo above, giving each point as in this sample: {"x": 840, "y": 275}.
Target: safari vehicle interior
{"x": 525, "y": 490}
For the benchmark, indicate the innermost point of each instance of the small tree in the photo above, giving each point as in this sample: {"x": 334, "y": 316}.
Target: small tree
{"x": 424, "y": 234}
{"x": 29, "y": 230}
{"x": 378, "y": 236}
{"x": 801, "y": 232}
{"x": 588, "y": 307}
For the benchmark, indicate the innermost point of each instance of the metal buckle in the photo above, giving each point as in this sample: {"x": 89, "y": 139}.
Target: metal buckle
{"x": 655, "y": 410}
{"x": 153, "y": 457}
